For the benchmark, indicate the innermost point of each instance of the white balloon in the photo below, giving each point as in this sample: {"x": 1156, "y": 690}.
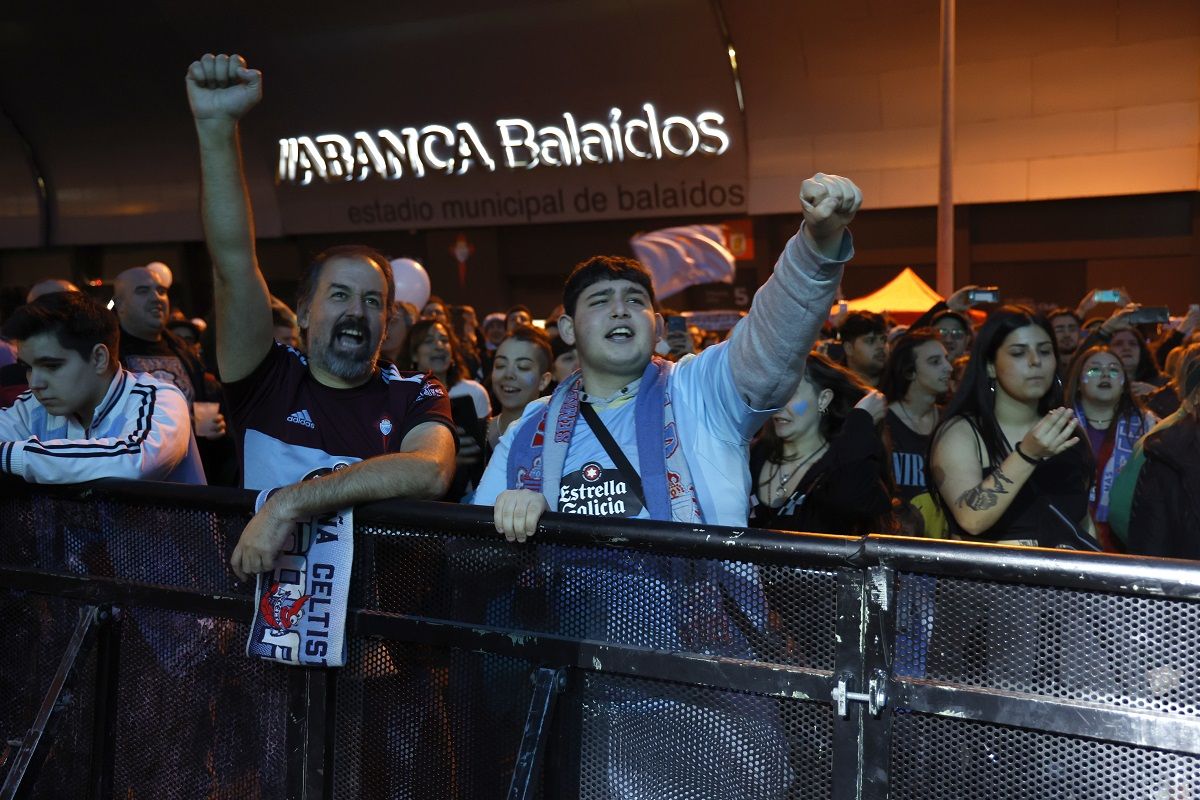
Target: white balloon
{"x": 412, "y": 281}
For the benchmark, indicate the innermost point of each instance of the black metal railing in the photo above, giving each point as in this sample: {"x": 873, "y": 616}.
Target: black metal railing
{"x": 606, "y": 658}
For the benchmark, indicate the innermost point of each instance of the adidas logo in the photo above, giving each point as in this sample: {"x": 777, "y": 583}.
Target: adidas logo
{"x": 302, "y": 418}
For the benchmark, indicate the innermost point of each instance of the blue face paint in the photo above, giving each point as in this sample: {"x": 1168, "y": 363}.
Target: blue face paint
{"x": 798, "y": 408}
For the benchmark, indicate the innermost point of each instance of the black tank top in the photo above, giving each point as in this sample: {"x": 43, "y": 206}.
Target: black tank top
{"x": 908, "y": 451}
{"x": 1049, "y": 507}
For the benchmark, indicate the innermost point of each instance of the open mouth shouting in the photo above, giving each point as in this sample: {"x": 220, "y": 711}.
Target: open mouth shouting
{"x": 620, "y": 333}
{"x": 350, "y": 335}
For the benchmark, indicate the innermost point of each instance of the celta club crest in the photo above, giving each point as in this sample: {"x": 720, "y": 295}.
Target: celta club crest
{"x": 670, "y": 440}
{"x": 531, "y": 477}
{"x": 385, "y": 426}
{"x": 462, "y": 250}
{"x": 280, "y": 609}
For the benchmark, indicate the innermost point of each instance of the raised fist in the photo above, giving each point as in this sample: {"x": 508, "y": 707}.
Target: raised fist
{"x": 830, "y": 202}
{"x": 222, "y": 88}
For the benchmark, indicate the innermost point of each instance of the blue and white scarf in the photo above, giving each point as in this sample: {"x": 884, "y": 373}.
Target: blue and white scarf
{"x": 300, "y": 605}
{"x": 535, "y": 461}
{"x": 1130, "y": 426}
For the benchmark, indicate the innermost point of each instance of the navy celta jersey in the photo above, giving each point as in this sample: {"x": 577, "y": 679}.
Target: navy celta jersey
{"x": 291, "y": 427}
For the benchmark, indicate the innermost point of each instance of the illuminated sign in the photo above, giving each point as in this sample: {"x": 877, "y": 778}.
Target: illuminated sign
{"x": 455, "y": 150}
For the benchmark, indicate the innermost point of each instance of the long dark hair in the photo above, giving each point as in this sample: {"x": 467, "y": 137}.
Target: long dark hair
{"x": 457, "y": 370}
{"x": 1126, "y": 404}
{"x": 975, "y": 398}
{"x": 900, "y": 370}
{"x": 823, "y": 374}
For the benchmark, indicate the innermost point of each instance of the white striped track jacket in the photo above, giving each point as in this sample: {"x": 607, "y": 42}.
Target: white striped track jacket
{"x": 141, "y": 430}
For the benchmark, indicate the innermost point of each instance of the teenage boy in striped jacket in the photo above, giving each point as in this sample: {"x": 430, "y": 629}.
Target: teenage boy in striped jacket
{"x": 85, "y": 416}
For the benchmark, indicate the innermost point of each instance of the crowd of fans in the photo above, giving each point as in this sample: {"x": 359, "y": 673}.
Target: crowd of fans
{"x": 1061, "y": 427}
{"x": 979, "y": 420}
{"x": 1000, "y": 423}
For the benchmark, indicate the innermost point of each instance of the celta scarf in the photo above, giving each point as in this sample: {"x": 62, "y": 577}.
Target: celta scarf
{"x": 536, "y": 461}
{"x": 1117, "y": 449}
{"x": 300, "y": 605}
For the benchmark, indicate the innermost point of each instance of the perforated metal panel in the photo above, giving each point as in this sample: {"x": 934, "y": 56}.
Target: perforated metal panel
{"x": 1125, "y": 651}
{"x": 144, "y": 542}
{"x": 686, "y": 677}
{"x": 658, "y": 739}
{"x": 194, "y": 716}
{"x": 774, "y": 614}
{"x": 422, "y": 722}
{"x": 949, "y": 759}
{"x": 38, "y": 629}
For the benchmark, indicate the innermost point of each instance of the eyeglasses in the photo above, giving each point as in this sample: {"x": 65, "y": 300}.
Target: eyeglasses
{"x": 952, "y": 333}
{"x": 1096, "y": 372}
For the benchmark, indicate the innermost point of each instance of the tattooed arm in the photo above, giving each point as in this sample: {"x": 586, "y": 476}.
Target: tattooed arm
{"x": 976, "y": 502}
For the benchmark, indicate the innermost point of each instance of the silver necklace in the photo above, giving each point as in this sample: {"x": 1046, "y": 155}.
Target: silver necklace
{"x": 784, "y": 477}
{"x": 911, "y": 423}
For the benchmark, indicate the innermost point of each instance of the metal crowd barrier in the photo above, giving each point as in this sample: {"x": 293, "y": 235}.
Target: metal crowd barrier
{"x": 606, "y": 659}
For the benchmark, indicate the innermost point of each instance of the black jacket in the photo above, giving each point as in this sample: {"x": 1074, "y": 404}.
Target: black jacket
{"x": 1165, "y": 516}
{"x": 845, "y": 492}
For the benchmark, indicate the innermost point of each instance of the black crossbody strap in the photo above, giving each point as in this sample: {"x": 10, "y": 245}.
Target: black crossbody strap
{"x": 610, "y": 446}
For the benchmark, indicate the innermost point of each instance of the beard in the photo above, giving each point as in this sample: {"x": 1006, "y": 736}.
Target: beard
{"x": 346, "y": 360}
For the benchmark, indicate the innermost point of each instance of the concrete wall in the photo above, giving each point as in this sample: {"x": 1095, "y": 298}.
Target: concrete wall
{"x": 1071, "y": 98}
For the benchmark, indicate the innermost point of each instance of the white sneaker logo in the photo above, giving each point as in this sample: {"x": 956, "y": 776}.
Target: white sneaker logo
{"x": 302, "y": 418}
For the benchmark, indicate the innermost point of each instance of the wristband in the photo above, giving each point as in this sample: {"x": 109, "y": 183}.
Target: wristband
{"x": 1030, "y": 459}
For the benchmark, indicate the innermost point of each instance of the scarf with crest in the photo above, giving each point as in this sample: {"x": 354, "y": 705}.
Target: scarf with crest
{"x": 1116, "y": 450}
{"x": 536, "y": 461}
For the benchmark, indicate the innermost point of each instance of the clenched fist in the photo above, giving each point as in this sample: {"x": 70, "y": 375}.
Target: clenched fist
{"x": 221, "y": 88}
{"x": 830, "y": 203}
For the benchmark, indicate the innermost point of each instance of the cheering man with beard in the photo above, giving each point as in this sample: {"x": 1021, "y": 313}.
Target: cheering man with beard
{"x": 371, "y": 433}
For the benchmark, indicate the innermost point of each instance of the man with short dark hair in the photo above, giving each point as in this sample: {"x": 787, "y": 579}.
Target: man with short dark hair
{"x": 1066, "y": 326}
{"x": 864, "y": 340}
{"x": 517, "y": 316}
{"x": 84, "y": 416}
{"x": 370, "y": 432}
{"x": 954, "y": 331}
